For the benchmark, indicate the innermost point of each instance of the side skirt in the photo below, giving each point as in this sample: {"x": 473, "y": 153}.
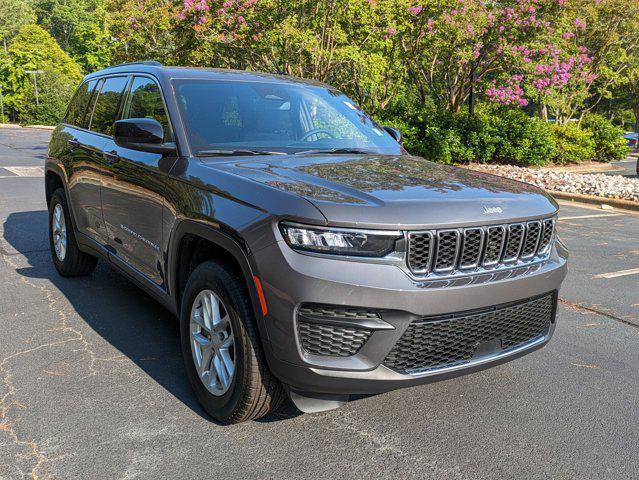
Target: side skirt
{"x": 92, "y": 247}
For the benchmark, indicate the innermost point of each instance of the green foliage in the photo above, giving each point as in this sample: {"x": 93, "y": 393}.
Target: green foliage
{"x": 14, "y": 14}
{"x": 34, "y": 49}
{"x": 492, "y": 135}
{"x": 79, "y": 26}
{"x": 54, "y": 92}
{"x": 521, "y": 139}
{"x": 574, "y": 144}
{"x": 609, "y": 142}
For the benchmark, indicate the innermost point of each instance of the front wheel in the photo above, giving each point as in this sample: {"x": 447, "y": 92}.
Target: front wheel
{"x": 221, "y": 348}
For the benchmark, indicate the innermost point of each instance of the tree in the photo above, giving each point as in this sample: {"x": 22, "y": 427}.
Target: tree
{"x": 14, "y": 14}
{"x": 146, "y": 30}
{"x": 54, "y": 92}
{"x": 80, "y": 28}
{"x": 35, "y": 49}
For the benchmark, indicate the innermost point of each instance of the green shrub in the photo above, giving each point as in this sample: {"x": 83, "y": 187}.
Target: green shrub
{"x": 522, "y": 140}
{"x": 573, "y": 144}
{"x": 609, "y": 142}
{"x": 492, "y": 135}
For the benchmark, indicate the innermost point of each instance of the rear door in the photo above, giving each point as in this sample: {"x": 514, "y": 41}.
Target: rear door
{"x": 133, "y": 198}
{"x": 81, "y": 153}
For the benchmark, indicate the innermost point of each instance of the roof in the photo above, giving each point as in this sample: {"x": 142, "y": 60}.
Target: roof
{"x": 171, "y": 73}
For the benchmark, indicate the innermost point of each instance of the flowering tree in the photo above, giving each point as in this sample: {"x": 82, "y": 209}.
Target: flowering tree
{"x": 343, "y": 42}
{"x": 559, "y": 56}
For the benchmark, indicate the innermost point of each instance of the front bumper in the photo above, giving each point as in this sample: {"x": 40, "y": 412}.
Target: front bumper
{"x": 290, "y": 279}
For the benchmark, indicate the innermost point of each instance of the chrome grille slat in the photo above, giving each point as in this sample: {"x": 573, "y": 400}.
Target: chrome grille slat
{"x": 472, "y": 246}
{"x": 531, "y": 240}
{"x": 452, "y": 251}
{"x": 546, "y": 236}
{"x": 516, "y": 233}
{"x": 447, "y": 250}
{"x": 420, "y": 248}
{"x": 495, "y": 241}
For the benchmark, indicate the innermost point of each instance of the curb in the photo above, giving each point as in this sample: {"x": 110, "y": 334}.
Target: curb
{"x": 40, "y": 127}
{"x": 591, "y": 199}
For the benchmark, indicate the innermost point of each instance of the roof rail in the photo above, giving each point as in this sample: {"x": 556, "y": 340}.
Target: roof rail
{"x": 143, "y": 62}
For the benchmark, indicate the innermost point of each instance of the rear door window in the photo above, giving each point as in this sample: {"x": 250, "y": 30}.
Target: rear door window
{"x": 105, "y": 112}
{"x": 145, "y": 101}
{"x": 76, "y": 113}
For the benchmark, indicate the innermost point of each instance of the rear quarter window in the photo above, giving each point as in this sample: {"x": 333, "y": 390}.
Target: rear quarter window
{"x": 76, "y": 113}
{"x": 106, "y": 108}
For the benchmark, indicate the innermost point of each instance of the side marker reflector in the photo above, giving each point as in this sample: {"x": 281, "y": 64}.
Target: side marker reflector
{"x": 260, "y": 294}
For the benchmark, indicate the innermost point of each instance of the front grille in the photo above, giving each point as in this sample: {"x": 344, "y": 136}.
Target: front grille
{"x": 331, "y": 340}
{"x": 460, "y": 250}
{"x": 451, "y": 340}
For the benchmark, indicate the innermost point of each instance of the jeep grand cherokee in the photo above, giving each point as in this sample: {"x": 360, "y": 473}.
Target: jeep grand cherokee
{"x": 305, "y": 252}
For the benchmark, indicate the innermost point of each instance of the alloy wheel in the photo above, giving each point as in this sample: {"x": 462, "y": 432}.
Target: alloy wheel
{"x": 59, "y": 230}
{"x": 212, "y": 342}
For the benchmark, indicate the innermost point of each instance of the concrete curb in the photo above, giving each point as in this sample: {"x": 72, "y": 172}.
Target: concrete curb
{"x": 593, "y": 200}
{"x": 40, "y": 127}
{"x": 17, "y": 127}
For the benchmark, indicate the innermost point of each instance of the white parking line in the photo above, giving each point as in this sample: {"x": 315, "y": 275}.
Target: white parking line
{"x": 620, "y": 273}
{"x": 594, "y": 215}
{"x": 24, "y": 172}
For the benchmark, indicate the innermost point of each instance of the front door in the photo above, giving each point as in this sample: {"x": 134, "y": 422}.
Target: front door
{"x": 132, "y": 198}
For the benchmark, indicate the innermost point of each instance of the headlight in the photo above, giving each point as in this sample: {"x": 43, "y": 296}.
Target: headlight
{"x": 337, "y": 241}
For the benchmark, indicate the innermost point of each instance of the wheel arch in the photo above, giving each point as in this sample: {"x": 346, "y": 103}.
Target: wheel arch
{"x": 223, "y": 247}
{"x": 54, "y": 178}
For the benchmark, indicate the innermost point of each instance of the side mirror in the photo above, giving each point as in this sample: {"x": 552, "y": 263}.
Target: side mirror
{"x": 143, "y": 134}
{"x": 396, "y": 134}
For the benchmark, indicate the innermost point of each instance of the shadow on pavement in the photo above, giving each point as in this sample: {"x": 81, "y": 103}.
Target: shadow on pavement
{"x": 122, "y": 314}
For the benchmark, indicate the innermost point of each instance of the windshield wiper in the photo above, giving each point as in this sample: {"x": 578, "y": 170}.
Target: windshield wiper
{"x": 337, "y": 151}
{"x": 236, "y": 153}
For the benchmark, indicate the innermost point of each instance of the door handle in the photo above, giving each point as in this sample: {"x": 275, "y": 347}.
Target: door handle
{"x": 74, "y": 143}
{"x": 111, "y": 157}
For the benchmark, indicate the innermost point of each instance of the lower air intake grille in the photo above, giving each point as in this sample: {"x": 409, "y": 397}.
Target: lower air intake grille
{"x": 331, "y": 340}
{"x": 451, "y": 340}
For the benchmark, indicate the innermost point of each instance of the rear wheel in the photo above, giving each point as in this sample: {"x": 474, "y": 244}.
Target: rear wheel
{"x": 69, "y": 261}
{"x": 221, "y": 348}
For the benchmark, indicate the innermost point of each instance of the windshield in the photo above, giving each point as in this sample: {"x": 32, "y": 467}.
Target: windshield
{"x": 227, "y": 116}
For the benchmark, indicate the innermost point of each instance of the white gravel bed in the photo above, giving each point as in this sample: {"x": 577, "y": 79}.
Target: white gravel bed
{"x": 606, "y": 186}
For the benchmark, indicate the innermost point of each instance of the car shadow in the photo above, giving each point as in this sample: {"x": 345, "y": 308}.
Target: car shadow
{"x": 121, "y": 313}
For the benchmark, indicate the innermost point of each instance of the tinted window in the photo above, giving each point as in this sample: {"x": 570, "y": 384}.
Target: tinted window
{"x": 145, "y": 101}
{"x": 106, "y": 107}
{"x": 78, "y": 106}
{"x": 281, "y": 117}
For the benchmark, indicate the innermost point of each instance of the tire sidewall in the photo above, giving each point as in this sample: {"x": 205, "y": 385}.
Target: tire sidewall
{"x": 211, "y": 276}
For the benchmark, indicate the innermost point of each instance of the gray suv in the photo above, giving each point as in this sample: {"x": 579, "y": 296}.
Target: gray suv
{"x": 305, "y": 252}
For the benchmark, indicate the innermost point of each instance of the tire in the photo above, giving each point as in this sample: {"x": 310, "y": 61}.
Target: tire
{"x": 252, "y": 392}
{"x": 72, "y": 262}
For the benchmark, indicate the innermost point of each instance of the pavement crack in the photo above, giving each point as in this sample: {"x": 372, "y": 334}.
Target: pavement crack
{"x": 583, "y": 309}
{"x": 8, "y": 401}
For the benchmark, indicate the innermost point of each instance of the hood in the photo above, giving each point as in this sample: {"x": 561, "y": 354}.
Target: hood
{"x": 394, "y": 191}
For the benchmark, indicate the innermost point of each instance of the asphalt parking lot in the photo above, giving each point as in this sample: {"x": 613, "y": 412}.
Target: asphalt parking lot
{"x": 92, "y": 384}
